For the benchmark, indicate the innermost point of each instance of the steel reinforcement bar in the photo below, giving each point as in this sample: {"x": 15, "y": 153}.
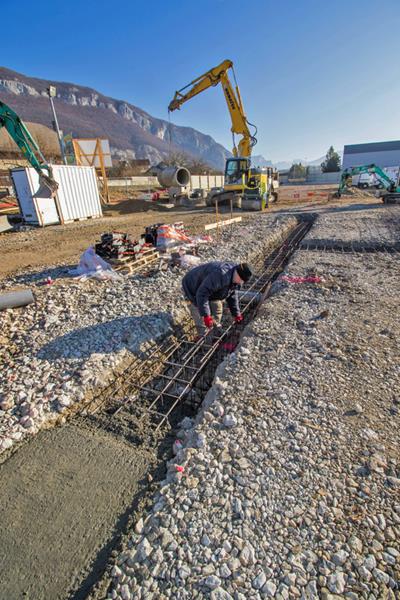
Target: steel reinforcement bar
{"x": 350, "y": 247}
{"x": 181, "y": 370}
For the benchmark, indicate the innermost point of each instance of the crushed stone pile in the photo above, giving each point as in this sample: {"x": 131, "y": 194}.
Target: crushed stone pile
{"x": 288, "y": 482}
{"x": 71, "y": 341}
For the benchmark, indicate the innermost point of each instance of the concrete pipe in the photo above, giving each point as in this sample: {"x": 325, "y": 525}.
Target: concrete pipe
{"x": 15, "y": 299}
{"x": 174, "y": 177}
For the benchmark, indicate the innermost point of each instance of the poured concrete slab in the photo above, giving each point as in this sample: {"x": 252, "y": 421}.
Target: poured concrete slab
{"x": 64, "y": 498}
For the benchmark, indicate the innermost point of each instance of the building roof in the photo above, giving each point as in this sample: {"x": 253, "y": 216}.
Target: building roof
{"x": 372, "y": 147}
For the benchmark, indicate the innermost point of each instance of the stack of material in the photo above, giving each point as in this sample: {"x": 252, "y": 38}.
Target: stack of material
{"x": 150, "y": 234}
{"x": 117, "y": 245}
{"x": 125, "y": 254}
{"x": 175, "y": 231}
{"x": 169, "y": 236}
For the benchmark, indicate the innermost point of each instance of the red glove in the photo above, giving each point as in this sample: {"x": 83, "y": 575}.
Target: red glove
{"x": 208, "y": 322}
{"x": 239, "y": 318}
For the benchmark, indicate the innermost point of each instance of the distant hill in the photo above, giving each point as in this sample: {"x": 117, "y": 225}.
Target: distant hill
{"x": 85, "y": 112}
{"x": 45, "y": 137}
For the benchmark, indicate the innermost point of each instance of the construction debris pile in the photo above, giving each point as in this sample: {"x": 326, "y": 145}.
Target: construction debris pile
{"x": 117, "y": 245}
{"x": 287, "y": 485}
{"x": 71, "y": 341}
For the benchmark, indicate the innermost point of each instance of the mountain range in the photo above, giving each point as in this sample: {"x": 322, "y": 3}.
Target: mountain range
{"x": 85, "y": 112}
{"x": 132, "y": 132}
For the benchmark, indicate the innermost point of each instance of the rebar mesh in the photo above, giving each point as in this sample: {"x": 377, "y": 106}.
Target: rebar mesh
{"x": 182, "y": 370}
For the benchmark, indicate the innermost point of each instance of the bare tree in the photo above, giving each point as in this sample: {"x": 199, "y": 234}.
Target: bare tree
{"x": 178, "y": 159}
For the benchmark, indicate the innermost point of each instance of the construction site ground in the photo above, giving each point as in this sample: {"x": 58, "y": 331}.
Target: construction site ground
{"x": 57, "y": 354}
{"x": 289, "y": 484}
{"x": 63, "y": 244}
{"x": 298, "y": 435}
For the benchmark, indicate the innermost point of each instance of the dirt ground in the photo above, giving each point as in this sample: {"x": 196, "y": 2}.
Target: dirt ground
{"x": 63, "y": 244}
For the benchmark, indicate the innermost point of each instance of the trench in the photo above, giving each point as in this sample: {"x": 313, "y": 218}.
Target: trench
{"x": 178, "y": 373}
{"x": 70, "y": 495}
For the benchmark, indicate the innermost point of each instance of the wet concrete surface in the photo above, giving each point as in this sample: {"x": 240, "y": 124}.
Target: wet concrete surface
{"x": 66, "y": 497}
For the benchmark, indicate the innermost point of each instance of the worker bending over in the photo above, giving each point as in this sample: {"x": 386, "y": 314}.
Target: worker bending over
{"x": 206, "y": 286}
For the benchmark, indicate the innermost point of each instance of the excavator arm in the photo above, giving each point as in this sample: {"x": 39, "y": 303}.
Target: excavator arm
{"x": 387, "y": 182}
{"x": 348, "y": 173}
{"x": 29, "y": 148}
{"x": 240, "y": 124}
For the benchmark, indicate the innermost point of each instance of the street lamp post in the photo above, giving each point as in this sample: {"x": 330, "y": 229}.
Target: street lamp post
{"x": 52, "y": 91}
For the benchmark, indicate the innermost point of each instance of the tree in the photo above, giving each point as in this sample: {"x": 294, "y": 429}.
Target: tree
{"x": 331, "y": 163}
{"x": 177, "y": 159}
{"x": 197, "y": 166}
{"x": 297, "y": 171}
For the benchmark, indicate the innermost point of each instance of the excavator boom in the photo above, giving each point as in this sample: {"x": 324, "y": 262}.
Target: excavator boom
{"x": 345, "y": 180}
{"x": 213, "y": 77}
{"x": 242, "y": 184}
{"x": 29, "y": 148}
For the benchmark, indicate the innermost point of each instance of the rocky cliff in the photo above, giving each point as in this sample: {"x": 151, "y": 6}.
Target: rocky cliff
{"x": 84, "y": 112}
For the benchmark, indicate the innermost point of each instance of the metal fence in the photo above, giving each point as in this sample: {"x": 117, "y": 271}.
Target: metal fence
{"x": 206, "y": 181}
{"x": 316, "y": 178}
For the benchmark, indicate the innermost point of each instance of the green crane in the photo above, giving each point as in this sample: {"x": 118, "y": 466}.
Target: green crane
{"x": 392, "y": 190}
{"x": 29, "y": 148}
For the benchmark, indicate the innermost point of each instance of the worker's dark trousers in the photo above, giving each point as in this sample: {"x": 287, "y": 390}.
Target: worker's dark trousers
{"x": 216, "y": 307}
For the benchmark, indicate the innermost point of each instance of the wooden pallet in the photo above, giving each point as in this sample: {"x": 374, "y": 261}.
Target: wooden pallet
{"x": 130, "y": 264}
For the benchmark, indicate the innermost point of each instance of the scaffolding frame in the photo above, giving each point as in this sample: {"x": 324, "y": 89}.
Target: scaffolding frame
{"x": 93, "y": 159}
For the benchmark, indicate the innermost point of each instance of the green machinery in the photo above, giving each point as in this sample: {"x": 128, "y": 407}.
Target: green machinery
{"x": 29, "y": 148}
{"x": 389, "y": 195}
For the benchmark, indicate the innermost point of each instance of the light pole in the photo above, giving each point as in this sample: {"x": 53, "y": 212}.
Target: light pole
{"x": 52, "y": 91}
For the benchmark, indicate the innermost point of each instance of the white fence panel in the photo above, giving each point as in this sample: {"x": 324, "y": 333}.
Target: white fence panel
{"x": 135, "y": 181}
{"x": 196, "y": 181}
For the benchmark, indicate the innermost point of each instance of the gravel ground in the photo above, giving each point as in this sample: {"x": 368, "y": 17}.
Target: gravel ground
{"x": 368, "y": 227}
{"x": 289, "y": 479}
{"x": 58, "y": 350}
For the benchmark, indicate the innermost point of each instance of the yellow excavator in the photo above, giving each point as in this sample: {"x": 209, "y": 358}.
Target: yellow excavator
{"x": 248, "y": 187}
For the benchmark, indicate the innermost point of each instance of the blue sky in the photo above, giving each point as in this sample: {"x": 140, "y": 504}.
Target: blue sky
{"x": 311, "y": 72}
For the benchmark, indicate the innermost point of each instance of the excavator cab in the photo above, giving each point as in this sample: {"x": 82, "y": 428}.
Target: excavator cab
{"x": 236, "y": 170}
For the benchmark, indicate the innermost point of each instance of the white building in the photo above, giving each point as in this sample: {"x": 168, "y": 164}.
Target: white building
{"x": 382, "y": 154}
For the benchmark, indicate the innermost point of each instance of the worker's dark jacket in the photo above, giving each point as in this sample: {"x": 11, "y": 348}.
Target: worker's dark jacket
{"x": 212, "y": 281}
